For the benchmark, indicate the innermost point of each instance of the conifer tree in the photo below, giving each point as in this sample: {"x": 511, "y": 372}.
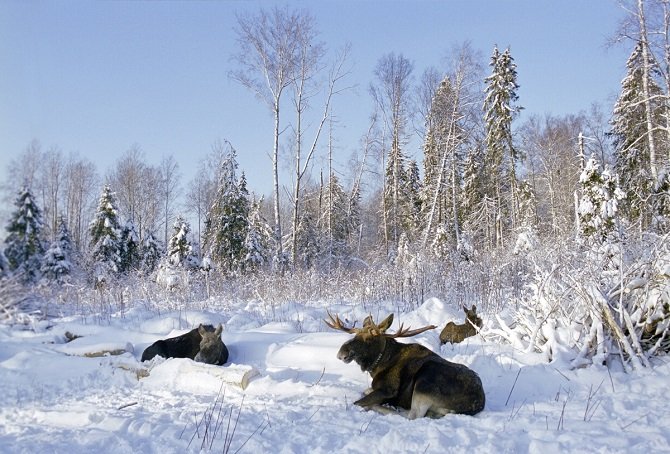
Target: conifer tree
{"x": 442, "y": 159}
{"x": 632, "y": 154}
{"x": 105, "y": 234}
{"x": 152, "y": 251}
{"x": 310, "y": 245}
{"x": 501, "y": 155}
{"x": 334, "y": 222}
{"x": 257, "y": 244}
{"x": 4, "y": 265}
{"x": 57, "y": 263}
{"x": 180, "y": 251}
{"x": 227, "y": 221}
{"x": 24, "y": 247}
{"x": 131, "y": 249}
{"x": 598, "y": 204}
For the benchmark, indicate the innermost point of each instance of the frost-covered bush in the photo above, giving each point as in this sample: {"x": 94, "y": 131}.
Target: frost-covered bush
{"x": 611, "y": 302}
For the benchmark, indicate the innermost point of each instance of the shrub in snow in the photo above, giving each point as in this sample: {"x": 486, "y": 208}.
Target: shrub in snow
{"x": 612, "y": 302}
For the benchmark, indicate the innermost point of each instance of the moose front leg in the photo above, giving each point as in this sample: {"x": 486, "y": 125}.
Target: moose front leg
{"x": 374, "y": 400}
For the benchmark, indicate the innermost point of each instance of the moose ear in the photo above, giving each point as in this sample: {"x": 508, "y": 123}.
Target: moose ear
{"x": 368, "y": 321}
{"x": 474, "y": 308}
{"x": 202, "y": 330}
{"x": 219, "y": 330}
{"x": 385, "y": 324}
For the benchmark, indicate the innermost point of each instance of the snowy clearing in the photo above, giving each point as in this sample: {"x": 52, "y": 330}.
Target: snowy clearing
{"x": 60, "y": 397}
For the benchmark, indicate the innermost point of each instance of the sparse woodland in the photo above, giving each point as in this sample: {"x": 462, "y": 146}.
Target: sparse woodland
{"x": 555, "y": 227}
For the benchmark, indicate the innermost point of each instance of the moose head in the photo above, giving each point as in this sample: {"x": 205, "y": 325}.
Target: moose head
{"x": 212, "y": 348}
{"x": 408, "y": 376}
{"x": 454, "y": 333}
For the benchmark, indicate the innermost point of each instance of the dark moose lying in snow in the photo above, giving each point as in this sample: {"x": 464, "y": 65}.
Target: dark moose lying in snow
{"x": 202, "y": 344}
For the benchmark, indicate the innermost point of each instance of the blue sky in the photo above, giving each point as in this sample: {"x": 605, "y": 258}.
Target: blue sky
{"x": 98, "y": 77}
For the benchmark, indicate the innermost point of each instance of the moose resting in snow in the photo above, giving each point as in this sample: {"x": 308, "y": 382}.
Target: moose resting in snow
{"x": 202, "y": 344}
{"x": 454, "y": 333}
{"x": 408, "y": 376}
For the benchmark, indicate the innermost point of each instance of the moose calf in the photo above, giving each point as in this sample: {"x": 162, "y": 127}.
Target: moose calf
{"x": 408, "y": 376}
{"x": 454, "y": 333}
{"x": 202, "y": 344}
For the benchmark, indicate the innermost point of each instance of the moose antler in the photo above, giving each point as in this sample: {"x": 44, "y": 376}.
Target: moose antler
{"x": 338, "y": 324}
{"x": 405, "y": 332}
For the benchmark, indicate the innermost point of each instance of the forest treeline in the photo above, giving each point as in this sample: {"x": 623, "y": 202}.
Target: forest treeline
{"x": 561, "y": 221}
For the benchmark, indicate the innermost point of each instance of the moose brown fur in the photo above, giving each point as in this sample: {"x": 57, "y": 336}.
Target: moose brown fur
{"x": 202, "y": 344}
{"x": 408, "y": 376}
{"x": 454, "y": 333}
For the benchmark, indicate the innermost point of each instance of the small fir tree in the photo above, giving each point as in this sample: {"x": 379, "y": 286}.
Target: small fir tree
{"x": 598, "y": 205}
{"x": 152, "y": 251}
{"x": 257, "y": 243}
{"x": 180, "y": 251}
{"x": 57, "y": 265}
{"x": 24, "y": 247}
{"x": 227, "y": 222}
{"x": 105, "y": 234}
{"x": 131, "y": 250}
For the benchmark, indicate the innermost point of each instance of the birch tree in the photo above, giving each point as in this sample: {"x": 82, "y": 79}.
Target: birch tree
{"x": 311, "y": 54}
{"x": 169, "y": 189}
{"x": 391, "y": 93}
{"x": 268, "y": 58}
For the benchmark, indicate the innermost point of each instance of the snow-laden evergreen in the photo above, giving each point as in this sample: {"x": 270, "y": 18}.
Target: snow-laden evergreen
{"x": 57, "y": 264}
{"x": 105, "y": 233}
{"x": 24, "y": 244}
{"x": 599, "y": 203}
{"x": 180, "y": 252}
{"x": 152, "y": 251}
{"x": 631, "y": 140}
{"x": 227, "y": 220}
{"x": 502, "y": 156}
{"x": 131, "y": 250}
{"x": 258, "y": 240}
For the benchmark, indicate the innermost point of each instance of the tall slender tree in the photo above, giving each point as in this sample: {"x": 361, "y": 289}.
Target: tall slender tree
{"x": 633, "y": 156}
{"x": 270, "y": 46}
{"x": 391, "y": 93}
{"x": 502, "y": 157}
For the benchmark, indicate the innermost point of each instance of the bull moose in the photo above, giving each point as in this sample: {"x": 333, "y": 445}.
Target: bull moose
{"x": 454, "y": 333}
{"x": 408, "y": 376}
{"x": 202, "y": 344}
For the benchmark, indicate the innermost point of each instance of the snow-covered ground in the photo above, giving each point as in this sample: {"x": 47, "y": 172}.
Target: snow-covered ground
{"x": 56, "y": 399}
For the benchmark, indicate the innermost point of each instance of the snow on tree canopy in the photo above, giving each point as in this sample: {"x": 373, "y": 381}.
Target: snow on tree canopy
{"x": 24, "y": 247}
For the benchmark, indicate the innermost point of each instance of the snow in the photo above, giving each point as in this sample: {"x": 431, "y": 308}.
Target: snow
{"x": 56, "y": 399}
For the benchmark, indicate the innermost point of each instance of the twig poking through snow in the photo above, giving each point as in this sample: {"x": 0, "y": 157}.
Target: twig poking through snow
{"x": 513, "y": 385}
{"x": 127, "y": 405}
